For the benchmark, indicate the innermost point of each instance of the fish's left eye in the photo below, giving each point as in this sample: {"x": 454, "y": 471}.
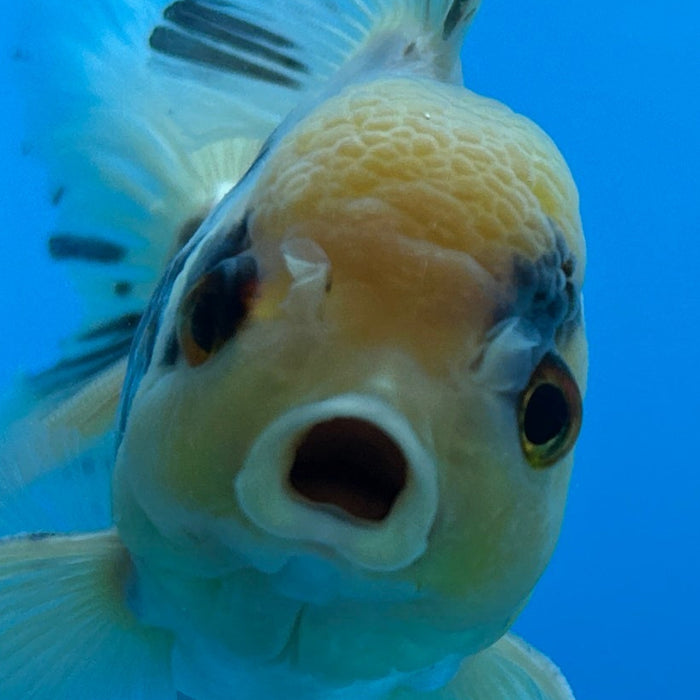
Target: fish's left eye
{"x": 216, "y": 306}
{"x": 549, "y": 413}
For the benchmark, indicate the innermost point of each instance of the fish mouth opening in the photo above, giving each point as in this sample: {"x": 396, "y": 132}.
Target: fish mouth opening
{"x": 349, "y": 464}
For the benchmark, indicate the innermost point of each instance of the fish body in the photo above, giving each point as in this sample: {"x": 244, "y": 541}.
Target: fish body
{"x": 345, "y": 431}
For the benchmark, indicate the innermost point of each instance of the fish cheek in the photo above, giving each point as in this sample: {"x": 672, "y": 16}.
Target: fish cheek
{"x": 171, "y": 458}
{"x": 498, "y": 519}
{"x": 206, "y": 417}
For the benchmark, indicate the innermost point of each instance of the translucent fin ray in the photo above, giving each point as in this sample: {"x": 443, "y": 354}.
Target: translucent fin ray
{"x": 510, "y": 669}
{"x": 56, "y": 462}
{"x": 129, "y": 103}
{"x": 63, "y": 610}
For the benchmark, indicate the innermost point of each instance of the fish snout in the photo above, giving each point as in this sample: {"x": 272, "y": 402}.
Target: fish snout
{"x": 347, "y": 473}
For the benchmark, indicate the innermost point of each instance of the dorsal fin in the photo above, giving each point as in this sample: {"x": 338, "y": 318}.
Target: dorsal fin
{"x": 147, "y": 113}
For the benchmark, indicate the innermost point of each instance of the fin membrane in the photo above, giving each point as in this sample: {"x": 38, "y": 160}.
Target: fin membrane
{"x": 56, "y": 462}
{"x": 65, "y": 630}
{"x": 50, "y": 485}
{"x": 146, "y": 113}
{"x": 510, "y": 669}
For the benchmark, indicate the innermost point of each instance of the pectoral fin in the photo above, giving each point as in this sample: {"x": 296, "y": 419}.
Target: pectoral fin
{"x": 66, "y": 632}
{"x": 510, "y": 669}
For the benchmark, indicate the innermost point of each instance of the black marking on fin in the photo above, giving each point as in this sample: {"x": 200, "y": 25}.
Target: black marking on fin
{"x": 233, "y": 26}
{"x": 173, "y": 43}
{"x": 460, "y": 11}
{"x": 39, "y": 536}
{"x": 197, "y": 19}
{"x": 123, "y": 325}
{"x": 70, "y": 246}
{"x": 57, "y": 196}
{"x": 123, "y": 288}
{"x": 99, "y": 347}
{"x": 74, "y": 370}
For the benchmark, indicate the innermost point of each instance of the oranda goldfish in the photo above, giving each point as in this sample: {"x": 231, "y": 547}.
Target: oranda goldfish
{"x": 336, "y": 460}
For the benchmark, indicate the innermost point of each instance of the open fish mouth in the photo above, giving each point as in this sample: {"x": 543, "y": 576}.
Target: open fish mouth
{"x": 347, "y": 473}
{"x": 349, "y": 464}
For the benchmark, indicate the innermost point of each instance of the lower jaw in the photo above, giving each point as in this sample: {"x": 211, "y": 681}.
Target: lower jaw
{"x": 213, "y": 675}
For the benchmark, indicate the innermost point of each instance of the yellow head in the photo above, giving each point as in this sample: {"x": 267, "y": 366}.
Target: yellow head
{"x": 363, "y": 386}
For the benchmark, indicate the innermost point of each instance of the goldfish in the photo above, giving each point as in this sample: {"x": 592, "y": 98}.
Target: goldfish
{"x": 314, "y": 437}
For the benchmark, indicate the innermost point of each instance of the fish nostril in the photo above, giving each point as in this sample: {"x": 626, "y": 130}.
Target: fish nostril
{"x": 349, "y": 464}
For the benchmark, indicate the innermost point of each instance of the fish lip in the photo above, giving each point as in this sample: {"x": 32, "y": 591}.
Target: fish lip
{"x": 267, "y": 499}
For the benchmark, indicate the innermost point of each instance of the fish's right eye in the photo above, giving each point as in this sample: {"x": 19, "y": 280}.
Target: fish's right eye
{"x": 215, "y": 308}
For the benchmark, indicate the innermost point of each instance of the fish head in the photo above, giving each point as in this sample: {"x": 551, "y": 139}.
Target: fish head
{"x": 361, "y": 417}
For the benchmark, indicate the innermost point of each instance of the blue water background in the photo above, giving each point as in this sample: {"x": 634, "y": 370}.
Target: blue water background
{"x": 617, "y": 85}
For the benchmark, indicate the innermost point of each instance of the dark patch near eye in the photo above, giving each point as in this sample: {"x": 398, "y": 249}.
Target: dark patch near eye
{"x": 172, "y": 351}
{"x": 122, "y": 289}
{"x": 546, "y": 293}
{"x": 216, "y": 306}
{"x": 187, "y": 230}
{"x": 220, "y": 248}
{"x": 69, "y": 246}
{"x": 234, "y": 242}
{"x": 460, "y": 11}
{"x": 145, "y": 338}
